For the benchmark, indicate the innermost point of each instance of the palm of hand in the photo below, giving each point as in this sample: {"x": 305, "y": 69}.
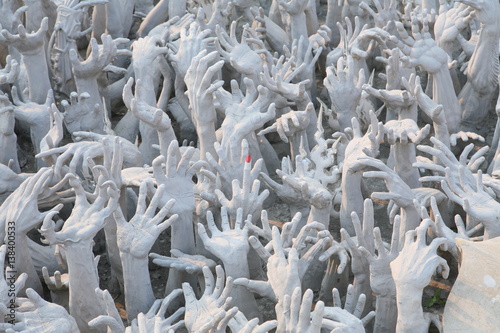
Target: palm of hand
{"x": 234, "y": 239}
{"x": 50, "y": 315}
{"x": 381, "y": 280}
{"x": 282, "y": 277}
{"x": 244, "y": 59}
{"x": 188, "y": 49}
{"x": 428, "y": 55}
{"x": 338, "y": 95}
{"x": 82, "y": 225}
{"x": 201, "y": 312}
{"x": 180, "y": 188}
{"x": 241, "y": 120}
{"x": 136, "y": 237}
{"x": 21, "y": 206}
{"x": 445, "y": 27}
{"x": 416, "y": 264}
{"x": 484, "y": 208}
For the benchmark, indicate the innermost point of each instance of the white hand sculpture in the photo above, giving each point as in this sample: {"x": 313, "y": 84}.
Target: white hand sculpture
{"x": 239, "y": 54}
{"x": 178, "y": 180}
{"x": 18, "y": 215}
{"x": 279, "y": 78}
{"x": 79, "y": 115}
{"x": 213, "y": 13}
{"x": 234, "y": 166}
{"x": 10, "y": 181}
{"x": 192, "y": 41}
{"x": 58, "y": 286}
{"x": 38, "y": 315}
{"x": 422, "y": 50}
{"x": 477, "y": 203}
{"x": 135, "y": 239}
{"x": 412, "y": 271}
{"x": 398, "y": 191}
{"x": 381, "y": 281}
{"x": 8, "y": 137}
{"x": 193, "y": 264}
{"x": 10, "y": 286}
{"x": 244, "y": 114}
{"x": 235, "y": 263}
{"x": 35, "y": 116}
{"x": 359, "y": 146}
{"x": 235, "y": 238}
{"x": 54, "y": 135}
{"x": 149, "y": 115}
{"x": 76, "y": 237}
{"x": 200, "y": 89}
{"x": 205, "y": 313}
{"x": 81, "y": 151}
{"x": 32, "y": 48}
{"x": 288, "y": 194}
{"x": 9, "y": 74}
{"x": 246, "y": 195}
{"x": 447, "y": 159}
{"x": 442, "y": 230}
{"x": 342, "y": 83}
{"x": 364, "y": 237}
{"x": 348, "y": 318}
{"x": 386, "y": 12}
{"x": 154, "y": 320}
{"x": 284, "y": 273}
{"x": 297, "y": 315}
{"x": 296, "y": 132}
{"x": 177, "y": 177}
{"x": 112, "y": 319}
{"x": 450, "y": 21}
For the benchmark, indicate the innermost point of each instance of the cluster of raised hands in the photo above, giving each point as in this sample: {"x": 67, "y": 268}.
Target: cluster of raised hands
{"x": 106, "y": 90}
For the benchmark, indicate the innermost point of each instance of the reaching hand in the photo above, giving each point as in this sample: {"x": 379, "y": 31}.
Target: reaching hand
{"x": 235, "y": 238}
{"x": 192, "y": 41}
{"x": 200, "y": 87}
{"x": 342, "y": 83}
{"x": 417, "y": 261}
{"x": 421, "y": 50}
{"x": 476, "y": 202}
{"x": 245, "y": 114}
{"x": 86, "y": 219}
{"x": 347, "y": 319}
{"x": 155, "y": 321}
{"x": 138, "y": 236}
{"x": 41, "y": 316}
{"x": 192, "y": 264}
{"x": 451, "y": 21}
{"x": 239, "y": 54}
{"x": 206, "y": 312}
{"x": 297, "y": 316}
{"x": 177, "y": 178}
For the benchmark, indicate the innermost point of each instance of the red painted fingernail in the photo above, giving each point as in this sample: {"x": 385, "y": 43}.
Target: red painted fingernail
{"x": 249, "y": 158}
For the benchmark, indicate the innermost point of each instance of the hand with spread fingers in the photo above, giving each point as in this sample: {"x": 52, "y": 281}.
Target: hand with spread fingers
{"x": 297, "y": 315}
{"x": 476, "y": 202}
{"x": 205, "y": 313}
{"x": 412, "y": 271}
{"x": 38, "y": 315}
{"x": 346, "y": 319}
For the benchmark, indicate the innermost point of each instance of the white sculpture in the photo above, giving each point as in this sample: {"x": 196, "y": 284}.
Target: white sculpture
{"x": 230, "y": 75}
